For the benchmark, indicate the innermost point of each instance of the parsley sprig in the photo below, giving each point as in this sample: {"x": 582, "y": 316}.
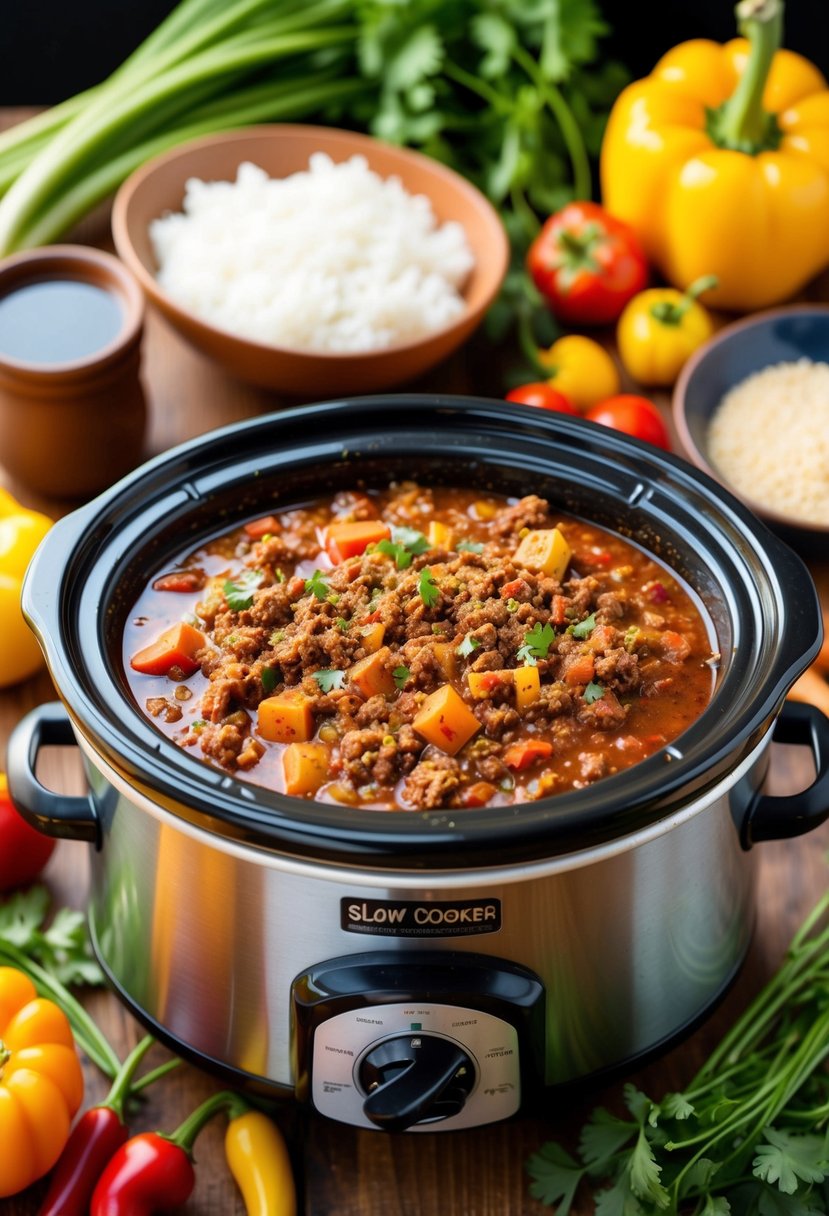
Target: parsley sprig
{"x": 467, "y": 646}
{"x": 537, "y": 642}
{"x": 748, "y": 1133}
{"x": 428, "y": 588}
{"x": 329, "y": 678}
{"x": 317, "y": 586}
{"x": 584, "y": 628}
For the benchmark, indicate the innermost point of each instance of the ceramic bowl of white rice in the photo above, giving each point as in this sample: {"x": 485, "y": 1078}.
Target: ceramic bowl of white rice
{"x": 310, "y": 260}
{"x": 751, "y": 408}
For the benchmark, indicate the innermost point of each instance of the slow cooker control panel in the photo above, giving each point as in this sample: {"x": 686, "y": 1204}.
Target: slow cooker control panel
{"x": 420, "y": 1042}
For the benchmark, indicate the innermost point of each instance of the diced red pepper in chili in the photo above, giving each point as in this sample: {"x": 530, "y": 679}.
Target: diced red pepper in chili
{"x": 522, "y": 755}
{"x": 510, "y": 590}
{"x": 257, "y": 528}
{"x": 559, "y": 609}
{"x": 478, "y": 794}
{"x": 656, "y": 593}
{"x": 181, "y": 580}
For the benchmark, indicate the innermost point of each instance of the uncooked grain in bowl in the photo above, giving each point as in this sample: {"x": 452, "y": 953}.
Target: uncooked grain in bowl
{"x": 769, "y": 438}
{"x": 331, "y": 259}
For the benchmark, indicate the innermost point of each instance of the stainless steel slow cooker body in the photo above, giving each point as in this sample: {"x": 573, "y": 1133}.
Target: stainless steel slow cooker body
{"x": 295, "y": 945}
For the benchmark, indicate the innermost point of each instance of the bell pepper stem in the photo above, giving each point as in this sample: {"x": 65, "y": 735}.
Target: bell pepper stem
{"x": 154, "y": 1075}
{"x": 670, "y": 313}
{"x": 741, "y": 122}
{"x": 184, "y": 1137}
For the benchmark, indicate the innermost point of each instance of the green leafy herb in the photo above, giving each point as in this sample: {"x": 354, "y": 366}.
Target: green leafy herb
{"x": 268, "y": 676}
{"x": 747, "y": 1137}
{"x": 342, "y": 624}
{"x": 317, "y": 586}
{"x": 412, "y": 540}
{"x": 467, "y": 646}
{"x": 401, "y": 675}
{"x": 279, "y": 575}
{"x": 593, "y": 692}
{"x": 584, "y": 628}
{"x": 470, "y": 546}
{"x": 61, "y": 947}
{"x": 239, "y": 591}
{"x": 537, "y": 642}
{"x": 402, "y": 556}
{"x": 428, "y": 588}
{"x": 329, "y": 678}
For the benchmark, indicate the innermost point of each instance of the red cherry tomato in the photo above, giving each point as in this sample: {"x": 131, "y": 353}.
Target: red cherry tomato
{"x": 635, "y": 416}
{"x": 23, "y": 851}
{"x": 542, "y": 395}
{"x": 587, "y": 264}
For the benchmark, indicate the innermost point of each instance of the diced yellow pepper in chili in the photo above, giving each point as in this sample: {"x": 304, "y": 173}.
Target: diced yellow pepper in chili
{"x": 482, "y": 683}
{"x": 440, "y": 535}
{"x": 445, "y": 720}
{"x": 546, "y": 551}
{"x": 527, "y": 686}
{"x": 373, "y": 637}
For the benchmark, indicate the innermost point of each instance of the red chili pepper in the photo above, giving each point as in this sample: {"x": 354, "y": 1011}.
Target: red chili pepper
{"x": 153, "y": 1171}
{"x": 94, "y": 1139}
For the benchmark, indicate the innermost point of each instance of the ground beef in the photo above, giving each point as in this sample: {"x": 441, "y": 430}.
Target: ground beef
{"x": 432, "y": 782}
{"x": 531, "y": 512}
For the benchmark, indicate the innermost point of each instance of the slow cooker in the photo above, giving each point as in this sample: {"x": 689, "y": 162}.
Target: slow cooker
{"x": 435, "y": 969}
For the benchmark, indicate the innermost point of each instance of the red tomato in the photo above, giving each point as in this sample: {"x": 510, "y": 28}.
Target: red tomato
{"x": 587, "y": 264}
{"x": 23, "y": 851}
{"x": 635, "y": 416}
{"x": 544, "y": 396}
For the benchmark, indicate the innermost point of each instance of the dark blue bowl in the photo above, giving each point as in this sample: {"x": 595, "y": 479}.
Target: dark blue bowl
{"x": 781, "y": 335}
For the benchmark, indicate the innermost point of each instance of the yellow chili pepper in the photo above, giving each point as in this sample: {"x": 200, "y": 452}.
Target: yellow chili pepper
{"x": 660, "y": 328}
{"x": 719, "y": 161}
{"x": 581, "y": 369}
{"x": 21, "y": 531}
{"x": 259, "y": 1162}
{"x": 41, "y": 1083}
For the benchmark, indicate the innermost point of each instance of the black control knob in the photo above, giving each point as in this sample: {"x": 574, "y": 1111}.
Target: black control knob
{"x": 415, "y": 1079}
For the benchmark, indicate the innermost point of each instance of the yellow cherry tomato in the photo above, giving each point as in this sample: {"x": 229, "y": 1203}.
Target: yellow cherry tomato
{"x": 661, "y": 328}
{"x": 41, "y": 1083}
{"x": 581, "y": 369}
{"x": 21, "y": 531}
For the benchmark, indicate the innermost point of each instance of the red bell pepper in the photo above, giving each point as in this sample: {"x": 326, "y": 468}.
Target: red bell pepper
{"x": 153, "y": 1172}
{"x": 94, "y": 1140}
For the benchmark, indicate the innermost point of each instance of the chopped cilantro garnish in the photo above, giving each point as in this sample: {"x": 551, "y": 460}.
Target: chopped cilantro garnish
{"x": 239, "y": 591}
{"x": 401, "y": 675}
{"x": 279, "y": 575}
{"x": 402, "y": 556}
{"x": 584, "y": 628}
{"x": 470, "y": 546}
{"x": 467, "y": 646}
{"x": 593, "y": 692}
{"x": 316, "y": 585}
{"x": 342, "y": 624}
{"x": 268, "y": 679}
{"x": 410, "y": 539}
{"x": 428, "y": 588}
{"x": 537, "y": 642}
{"x": 329, "y": 678}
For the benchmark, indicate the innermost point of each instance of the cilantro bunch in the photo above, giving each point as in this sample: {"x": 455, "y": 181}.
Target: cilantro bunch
{"x": 749, "y": 1136}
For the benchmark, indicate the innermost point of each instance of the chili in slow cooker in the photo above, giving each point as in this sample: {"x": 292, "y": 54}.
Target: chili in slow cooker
{"x": 420, "y": 648}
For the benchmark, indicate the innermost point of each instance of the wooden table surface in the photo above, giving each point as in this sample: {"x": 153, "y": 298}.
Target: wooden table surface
{"x": 341, "y": 1171}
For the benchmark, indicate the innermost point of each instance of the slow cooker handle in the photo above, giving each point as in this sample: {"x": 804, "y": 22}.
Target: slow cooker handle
{"x": 770, "y": 817}
{"x": 52, "y": 814}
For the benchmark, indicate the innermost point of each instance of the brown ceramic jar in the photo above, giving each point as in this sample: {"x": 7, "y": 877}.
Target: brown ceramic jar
{"x": 69, "y": 427}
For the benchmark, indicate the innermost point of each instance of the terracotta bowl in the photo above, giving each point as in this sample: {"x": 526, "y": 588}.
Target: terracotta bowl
{"x": 158, "y": 187}
{"x": 781, "y": 335}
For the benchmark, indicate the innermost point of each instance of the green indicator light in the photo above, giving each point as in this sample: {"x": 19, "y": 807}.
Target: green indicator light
{"x": 415, "y": 1025}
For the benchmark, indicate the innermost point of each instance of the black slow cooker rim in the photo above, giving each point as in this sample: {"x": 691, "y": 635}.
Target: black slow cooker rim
{"x": 613, "y": 808}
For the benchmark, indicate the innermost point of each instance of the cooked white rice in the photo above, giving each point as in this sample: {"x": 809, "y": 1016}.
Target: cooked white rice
{"x": 769, "y": 437}
{"x": 334, "y": 258}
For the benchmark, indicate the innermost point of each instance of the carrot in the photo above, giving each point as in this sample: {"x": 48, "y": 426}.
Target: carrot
{"x": 175, "y": 647}
{"x": 344, "y": 540}
{"x": 286, "y": 718}
{"x": 522, "y": 755}
{"x": 444, "y": 720}
{"x": 478, "y": 794}
{"x": 812, "y": 688}
{"x": 305, "y": 767}
{"x": 580, "y": 670}
{"x": 257, "y": 528}
{"x": 373, "y": 674}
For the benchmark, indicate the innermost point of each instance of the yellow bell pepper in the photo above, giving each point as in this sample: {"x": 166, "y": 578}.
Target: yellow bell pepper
{"x": 41, "y": 1083}
{"x": 21, "y": 531}
{"x": 661, "y": 328}
{"x": 258, "y": 1159}
{"x": 580, "y": 369}
{"x": 719, "y": 161}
